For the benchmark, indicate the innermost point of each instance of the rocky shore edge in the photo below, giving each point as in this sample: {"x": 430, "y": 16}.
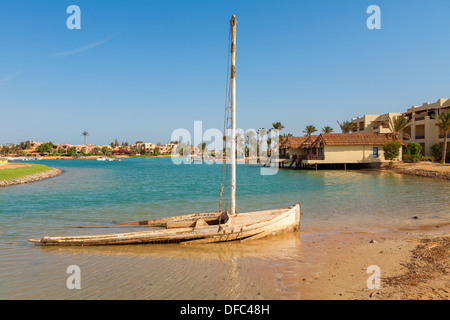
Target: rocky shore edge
{"x": 32, "y": 178}
{"x": 420, "y": 171}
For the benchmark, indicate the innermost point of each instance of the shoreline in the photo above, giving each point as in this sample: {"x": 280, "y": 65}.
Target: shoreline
{"x": 421, "y": 169}
{"x": 53, "y": 172}
{"x": 413, "y": 264}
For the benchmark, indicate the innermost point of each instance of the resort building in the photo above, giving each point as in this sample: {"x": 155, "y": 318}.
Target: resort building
{"x": 167, "y": 148}
{"x": 145, "y": 148}
{"x": 342, "y": 149}
{"x": 374, "y": 123}
{"x": 422, "y": 128}
{"x": 359, "y": 148}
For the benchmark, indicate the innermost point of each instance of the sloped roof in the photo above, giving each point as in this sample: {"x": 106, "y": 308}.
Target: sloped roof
{"x": 308, "y": 141}
{"x": 349, "y": 139}
{"x": 292, "y": 142}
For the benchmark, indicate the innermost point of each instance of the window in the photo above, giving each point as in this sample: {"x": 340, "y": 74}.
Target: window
{"x": 375, "y": 152}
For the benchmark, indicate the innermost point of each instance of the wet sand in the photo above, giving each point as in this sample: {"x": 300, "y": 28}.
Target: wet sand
{"x": 313, "y": 264}
{"x": 414, "y": 264}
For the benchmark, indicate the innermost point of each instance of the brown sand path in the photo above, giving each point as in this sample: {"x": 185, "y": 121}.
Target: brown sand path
{"x": 13, "y": 165}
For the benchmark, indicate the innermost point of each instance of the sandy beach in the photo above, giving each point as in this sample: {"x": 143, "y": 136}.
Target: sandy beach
{"x": 414, "y": 265}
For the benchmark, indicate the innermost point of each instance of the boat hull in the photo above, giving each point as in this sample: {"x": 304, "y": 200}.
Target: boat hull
{"x": 192, "y": 229}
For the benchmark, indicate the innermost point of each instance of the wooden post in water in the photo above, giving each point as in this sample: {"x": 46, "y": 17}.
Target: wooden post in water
{"x": 233, "y": 23}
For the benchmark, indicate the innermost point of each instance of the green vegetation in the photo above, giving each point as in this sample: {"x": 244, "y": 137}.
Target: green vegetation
{"x": 392, "y": 150}
{"x": 14, "y": 173}
{"x": 72, "y": 151}
{"x": 309, "y": 130}
{"x": 412, "y": 152}
{"x": 397, "y": 125}
{"x": 443, "y": 122}
{"x": 327, "y": 129}
{"x": 46, "y": 147}
{"x": 277, "y": 126}
{"x": 436, "y": 152}
{"x": 347, "y": 126}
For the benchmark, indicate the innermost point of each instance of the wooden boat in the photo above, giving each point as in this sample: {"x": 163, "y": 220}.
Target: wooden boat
{"x": 201, "y": 227}
{"x": 194, "y": 228}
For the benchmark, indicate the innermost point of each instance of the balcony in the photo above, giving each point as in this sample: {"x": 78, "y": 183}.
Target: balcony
{"x": 419, "y": 118}
{"x": 441, "y": 136}
{"x": 420, "y": 137}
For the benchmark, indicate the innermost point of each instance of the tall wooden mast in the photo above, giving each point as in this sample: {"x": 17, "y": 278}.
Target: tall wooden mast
{"x": 233, "y": 23}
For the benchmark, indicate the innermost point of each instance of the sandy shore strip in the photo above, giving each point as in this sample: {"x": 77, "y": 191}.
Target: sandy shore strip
{"x": 421, "y": 169}
{"x": 31, "y": 178}
{"x": 414, "y": 264}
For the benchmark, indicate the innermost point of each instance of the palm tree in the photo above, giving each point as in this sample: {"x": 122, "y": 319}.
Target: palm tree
{"x": 327, "y": 129}
{"x": 85, "y": 133}
{"x": 277, "y": 126}
{"x": 347, "y": 126}
{"x": 397, "y": 125}
{"x": 443, "y": 122}
{"x": 309, "y": 130}
{"x": 286, "y": 135}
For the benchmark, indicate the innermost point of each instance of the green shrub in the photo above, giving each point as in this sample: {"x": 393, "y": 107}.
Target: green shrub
{"x": 412, "y": 152}
{"x": 436, "y": 152}
{"x": 392, "y": 150}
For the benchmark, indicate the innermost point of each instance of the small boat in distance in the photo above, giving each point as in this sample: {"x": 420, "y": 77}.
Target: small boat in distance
{"x": 107, "y": 159}
{"x": 199, "y": 227}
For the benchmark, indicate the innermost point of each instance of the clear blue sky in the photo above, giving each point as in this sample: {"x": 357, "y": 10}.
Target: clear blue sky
{"x": 137, "y": 70}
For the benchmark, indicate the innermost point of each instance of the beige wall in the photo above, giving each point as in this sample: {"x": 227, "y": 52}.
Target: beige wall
{"x": 374, "y": 123}
{"x": 351, "y": 154}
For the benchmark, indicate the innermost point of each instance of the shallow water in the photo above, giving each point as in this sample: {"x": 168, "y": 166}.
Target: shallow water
{"x": 97, "y": 192}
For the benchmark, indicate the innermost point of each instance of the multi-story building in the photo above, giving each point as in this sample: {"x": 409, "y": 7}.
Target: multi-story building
{"x": 374, "y": 123}
{"x": 422, "y": 128}
{"x": 167, "y": 148}
{"x": 145, "y": 147}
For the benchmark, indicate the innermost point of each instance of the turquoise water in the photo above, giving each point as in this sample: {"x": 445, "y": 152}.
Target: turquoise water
{"x": 97, "y": 192}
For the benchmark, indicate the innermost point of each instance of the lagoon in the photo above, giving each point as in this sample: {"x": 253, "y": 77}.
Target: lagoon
{"x": 97, "y": 192}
